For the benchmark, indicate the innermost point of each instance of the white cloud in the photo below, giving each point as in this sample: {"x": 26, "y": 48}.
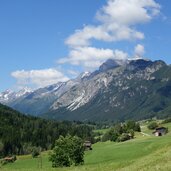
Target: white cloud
{"x": 117, "y": 21}
{"x": 128, "y": 12}
{"x": 38, "y": 78}
{"x": 90, "y": 57}
{"x": 139, "y": 51}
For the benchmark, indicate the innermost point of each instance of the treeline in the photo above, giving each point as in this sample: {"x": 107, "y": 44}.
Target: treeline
{"x": 121, "y": 132}
{"x": 19, "y": 134}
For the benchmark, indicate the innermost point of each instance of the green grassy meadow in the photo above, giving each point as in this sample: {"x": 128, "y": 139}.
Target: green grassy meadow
{"x": 144, "y": 153}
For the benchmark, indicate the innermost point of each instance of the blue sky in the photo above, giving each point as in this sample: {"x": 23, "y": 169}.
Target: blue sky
{"x": 40, "y": 43}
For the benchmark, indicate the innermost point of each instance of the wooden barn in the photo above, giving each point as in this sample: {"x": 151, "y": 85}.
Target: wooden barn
{"x": 160, "y": 131}
{"x": 87, "y": 145}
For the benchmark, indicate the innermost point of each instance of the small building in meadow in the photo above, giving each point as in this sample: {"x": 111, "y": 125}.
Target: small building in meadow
{"x": 87, "y": 145}
{"x": 9, "y": 159}
{"x": 160, "y": 131}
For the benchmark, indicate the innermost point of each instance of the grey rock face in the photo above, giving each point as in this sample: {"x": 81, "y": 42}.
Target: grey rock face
{"x": 115, "y": 90}
{"x": 84, "y": 92}
{"x": 9, "y": 95}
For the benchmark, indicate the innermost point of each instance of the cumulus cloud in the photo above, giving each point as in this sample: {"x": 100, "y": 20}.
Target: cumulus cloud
{"x": 38, "y": 78}
{"x": 117, "y": 20}
{"x": 139, "y": 51}
{"x": 90, "y": 57}
{"x": 128, "y": 12}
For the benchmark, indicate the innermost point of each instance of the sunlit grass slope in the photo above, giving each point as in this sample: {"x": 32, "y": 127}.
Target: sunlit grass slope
{"x": 144, "y": 153}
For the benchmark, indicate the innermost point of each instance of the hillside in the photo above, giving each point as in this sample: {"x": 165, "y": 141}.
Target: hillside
{"x": 20, "y": 133}
{"x": 118, "y": 90}
{"x": 139, "y": 90}
{"x": 143, "y": 153}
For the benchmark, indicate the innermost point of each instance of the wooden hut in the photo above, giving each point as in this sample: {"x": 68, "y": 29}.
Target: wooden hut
{"x": 87, "y": 145}
{"x": 160, "y": 131}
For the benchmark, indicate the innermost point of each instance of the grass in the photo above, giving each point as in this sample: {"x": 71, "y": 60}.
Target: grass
{"x": 143, "y": 153}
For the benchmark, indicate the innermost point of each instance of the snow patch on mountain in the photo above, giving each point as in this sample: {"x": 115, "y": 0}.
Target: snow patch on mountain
{"x": 9, "y": 95}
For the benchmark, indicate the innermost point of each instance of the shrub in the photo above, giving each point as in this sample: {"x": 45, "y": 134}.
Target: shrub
{"x": 1, "y": 149}
{"x": 67, "y": 151}
{"x": 131, "y": 133}
{"x": 152, "y": 125}
{"x": 168, "y": 120}
{"x": 111, "y": 135}
{"x": 120, "y": 131}
{"x": 14, "y": 157}
{"x": 133, "y": 125}
{"x": 35, "y": 152}
{"x": 98, "y": 139}
{"x": 3, "y": 162}
{"x": 123, "y": 137}
{"x": 106, "y": 137}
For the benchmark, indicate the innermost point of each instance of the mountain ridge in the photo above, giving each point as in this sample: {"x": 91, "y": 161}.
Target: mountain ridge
{"x": 116, "y": 91}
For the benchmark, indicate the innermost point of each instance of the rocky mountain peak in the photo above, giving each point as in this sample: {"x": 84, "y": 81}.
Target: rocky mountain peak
{"x": 160, "y": 62}
{"x": 109, "y": 64}
{"x": 83, "y": 75}
{"x": 23, "y": 91}
{"x": 113, "y": 89}
{"x": 4, "y": 96}
{"x": 10, "y": 95}
{"x": 139, "y": 64}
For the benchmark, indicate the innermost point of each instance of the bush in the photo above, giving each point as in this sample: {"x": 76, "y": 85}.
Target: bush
{"x": 123, "y": 137}
{"x": 111, "y": 135}
{"x": 27, "y": 148}
{"x": 35, "y": 152}
{"x": 132, "y": 125}
{"x": 152, "y": 125}
{"x": 106, "y": 137}
{"x": 98, "y": 139}
{"x": 168, "y": 120}
{"x": 131, "y": 133}
{"x": 14, "y": 157}
{"x": 67, "y": 151}
{"x": 1, "y": 149}
{"x": 3, "y": 162}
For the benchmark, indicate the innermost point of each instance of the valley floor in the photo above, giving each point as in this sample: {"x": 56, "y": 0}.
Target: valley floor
{"x": 144, "y": 153}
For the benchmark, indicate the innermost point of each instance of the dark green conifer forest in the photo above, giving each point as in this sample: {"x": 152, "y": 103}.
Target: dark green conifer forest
{"x": 19, "y": 133}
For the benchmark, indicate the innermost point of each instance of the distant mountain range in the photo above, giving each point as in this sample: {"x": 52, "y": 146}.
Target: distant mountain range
{"x": 118, "y": 90}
